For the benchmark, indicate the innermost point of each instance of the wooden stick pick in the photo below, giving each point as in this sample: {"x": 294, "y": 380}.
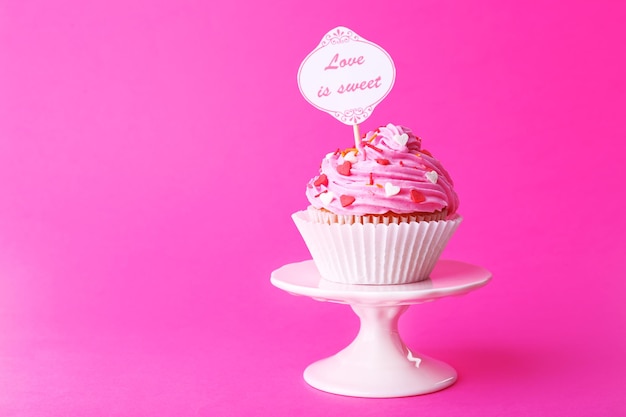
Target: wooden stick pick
{"x": 357, "y": 136}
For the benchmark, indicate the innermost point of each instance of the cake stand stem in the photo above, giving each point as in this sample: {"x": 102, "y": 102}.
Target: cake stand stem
{"x": 378, "y": 340}
{"x": 377, "y": 363}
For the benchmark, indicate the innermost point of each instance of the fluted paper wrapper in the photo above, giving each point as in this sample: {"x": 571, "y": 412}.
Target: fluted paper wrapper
{"x": 375, "y": 254}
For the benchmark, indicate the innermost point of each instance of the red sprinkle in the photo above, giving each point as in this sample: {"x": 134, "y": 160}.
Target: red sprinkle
{"x": 321, "y": 180}
{"x": 383, "y": 161}
{"x": 371, "y": 178}
{"x": 346, "y": 200}
{"x": 401, "y": 163}
{"x": 369, "y": 145}
{"x": 426, "y": 152}
{"x": 344, "y": 169}
{"x": 417, "y": 197}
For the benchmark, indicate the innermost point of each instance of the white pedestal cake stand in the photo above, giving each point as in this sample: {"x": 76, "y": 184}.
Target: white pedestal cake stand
{"x": 377, "y": 363}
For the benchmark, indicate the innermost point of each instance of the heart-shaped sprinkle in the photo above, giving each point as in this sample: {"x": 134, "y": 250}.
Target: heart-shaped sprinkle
{"x": 327, "y": 197}
{"x": 344, "y": 169}
{"x": 432, "y": 176}
{"x": 382, "y": 161}
{"x": 350, "y": 157}
{"x": 321, "y": 180}
{"x": 346, "y": 200}
{"x": 417, "y": 197}
{"x": 401, "y": 139}
{"x": 391, "y": 189}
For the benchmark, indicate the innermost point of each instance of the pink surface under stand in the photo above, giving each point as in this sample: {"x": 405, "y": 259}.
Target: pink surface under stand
{"x": 377, "y": 363}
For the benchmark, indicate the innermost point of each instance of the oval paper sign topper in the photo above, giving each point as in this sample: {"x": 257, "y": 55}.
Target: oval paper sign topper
{"x": 346, "y": 76}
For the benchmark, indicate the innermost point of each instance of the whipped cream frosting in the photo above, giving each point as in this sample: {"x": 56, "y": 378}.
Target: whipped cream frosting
{"x": 388, "y": 172}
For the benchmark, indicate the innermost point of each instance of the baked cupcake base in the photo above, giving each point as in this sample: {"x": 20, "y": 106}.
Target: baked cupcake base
{"x": 325, "y": 216}
{"x": 375, "y": 254}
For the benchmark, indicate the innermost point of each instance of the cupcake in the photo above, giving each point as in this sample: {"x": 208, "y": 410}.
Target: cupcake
{"x": 380, "y": 213}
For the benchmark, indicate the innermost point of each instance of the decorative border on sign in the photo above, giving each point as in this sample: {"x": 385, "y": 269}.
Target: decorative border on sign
{"x": 355, "y": 115}
{"x": 339, "y": 36}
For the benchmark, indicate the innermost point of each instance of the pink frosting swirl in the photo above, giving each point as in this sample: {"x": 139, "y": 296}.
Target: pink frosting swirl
{"x": 388, "y": 172}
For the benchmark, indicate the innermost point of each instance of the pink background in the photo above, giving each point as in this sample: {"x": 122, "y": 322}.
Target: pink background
{"x": 151, "y": 153}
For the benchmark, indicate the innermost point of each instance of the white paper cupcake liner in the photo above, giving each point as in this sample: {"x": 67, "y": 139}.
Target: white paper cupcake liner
{"x": 375, "y": 254}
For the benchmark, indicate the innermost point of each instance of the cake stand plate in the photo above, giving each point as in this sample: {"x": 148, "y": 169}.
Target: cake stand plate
{"x": 377, "y": 363}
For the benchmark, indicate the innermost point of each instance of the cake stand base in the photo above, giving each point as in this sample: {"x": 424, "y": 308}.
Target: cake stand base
{"x": 377, "y": 363}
